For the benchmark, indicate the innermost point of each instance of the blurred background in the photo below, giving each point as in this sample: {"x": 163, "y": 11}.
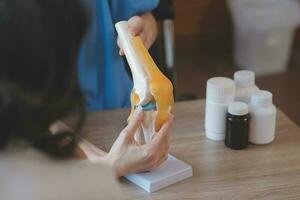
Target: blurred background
{"x": 218, "y": 37}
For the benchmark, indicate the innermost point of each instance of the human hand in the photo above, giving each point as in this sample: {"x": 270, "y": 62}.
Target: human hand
{"x": 144, "y": 26}
{"x": 127, "y": 156}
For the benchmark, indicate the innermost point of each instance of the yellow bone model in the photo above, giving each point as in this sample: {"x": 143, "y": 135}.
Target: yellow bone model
{"x": 161, "y": 88}
{"x": 150, "y": 85}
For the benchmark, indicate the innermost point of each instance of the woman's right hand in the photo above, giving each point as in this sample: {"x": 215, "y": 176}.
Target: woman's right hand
{"x": 127, "y": 156}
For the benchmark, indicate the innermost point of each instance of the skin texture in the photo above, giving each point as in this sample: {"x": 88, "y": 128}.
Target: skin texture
{"x": 144, "y": 26}
{"x": 126, "y": 155}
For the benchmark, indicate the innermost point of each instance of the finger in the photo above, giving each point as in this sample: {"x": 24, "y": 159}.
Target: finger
{"x": 160, "y": 141}
{"x": 166, "y": 136}
{"x": 159, "y": 162}
{"x": 135, "y": 123}
{"x": 143, "y": 37}
{"x": 164, "y": 148}
{"x": 149, "y": 40}
{"x": 119, "y": 43}
{"x": 163, "y": 132}
{"x": 136, "y": 25}
{"x": 121, "y": 52}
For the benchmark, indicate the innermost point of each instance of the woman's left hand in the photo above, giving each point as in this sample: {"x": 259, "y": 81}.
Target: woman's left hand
{"x": 127, "y": 156}
{"x": 144, "y": 26}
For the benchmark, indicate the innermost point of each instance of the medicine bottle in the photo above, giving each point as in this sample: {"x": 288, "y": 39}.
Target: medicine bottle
{"x": 237, "y": 126}
{"x": 263, "y": 118}
{"x": 220, "y": 93}
{"x": 245, "y": 85}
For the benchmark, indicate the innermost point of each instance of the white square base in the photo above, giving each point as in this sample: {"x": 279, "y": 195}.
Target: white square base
{"x": 170, "y": 172}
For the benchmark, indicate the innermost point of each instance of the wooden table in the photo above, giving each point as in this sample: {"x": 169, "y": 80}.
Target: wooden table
{"x": 259, "y": 172}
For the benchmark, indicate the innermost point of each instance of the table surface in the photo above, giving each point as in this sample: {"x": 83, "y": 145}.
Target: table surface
{"x": 259, "y": 172}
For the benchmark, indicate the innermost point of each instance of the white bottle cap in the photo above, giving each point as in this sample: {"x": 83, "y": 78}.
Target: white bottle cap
{"x": 220, "y": 89}
{"x": 244, "y": 78}
{"x": 238, "y": 108}
{"x": 262, "y": 98}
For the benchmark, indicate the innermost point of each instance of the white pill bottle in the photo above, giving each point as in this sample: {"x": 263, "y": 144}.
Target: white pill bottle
{"x": 245, "y": 85}
{"x": 220, "y": 93}
{"x": 263, "y": 118}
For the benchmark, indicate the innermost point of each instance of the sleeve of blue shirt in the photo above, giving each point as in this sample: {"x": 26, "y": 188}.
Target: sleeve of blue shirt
{"x": 125, "y": 9}
{"x": 103, "y": 79}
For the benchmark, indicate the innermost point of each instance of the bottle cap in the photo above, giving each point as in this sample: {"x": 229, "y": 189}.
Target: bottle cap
{"x": 262, "y": 98}
{"x": 220, "y": 89}
{"x": 244, "y": 78}
{"x": 238, "y": 108}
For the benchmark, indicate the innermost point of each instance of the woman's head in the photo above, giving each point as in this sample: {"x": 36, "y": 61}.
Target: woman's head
{"x": 40, "y": 41}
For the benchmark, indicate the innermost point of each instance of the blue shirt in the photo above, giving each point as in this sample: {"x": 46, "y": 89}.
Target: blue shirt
{"x": 102, "y": 75}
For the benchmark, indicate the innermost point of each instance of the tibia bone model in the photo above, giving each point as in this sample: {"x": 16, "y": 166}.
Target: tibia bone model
{"x": 152, "y": 90}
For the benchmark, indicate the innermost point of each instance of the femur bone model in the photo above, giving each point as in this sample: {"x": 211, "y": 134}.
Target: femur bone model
{"x": 152, "y": 90}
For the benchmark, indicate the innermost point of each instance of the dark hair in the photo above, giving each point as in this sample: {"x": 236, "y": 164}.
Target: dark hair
{"x": 39, "y": 45}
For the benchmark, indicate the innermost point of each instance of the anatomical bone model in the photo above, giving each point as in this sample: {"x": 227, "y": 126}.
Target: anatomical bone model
{"x": 152, "y": 90}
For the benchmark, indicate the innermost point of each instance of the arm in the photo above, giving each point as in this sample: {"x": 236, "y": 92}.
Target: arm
{"x": 126, "y": 155}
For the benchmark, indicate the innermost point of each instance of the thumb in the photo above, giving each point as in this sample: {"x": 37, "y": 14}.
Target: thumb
{"x": 163, "y": 132}
{"x": 136, "y": 24}
{"x": 134, "y": 124}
